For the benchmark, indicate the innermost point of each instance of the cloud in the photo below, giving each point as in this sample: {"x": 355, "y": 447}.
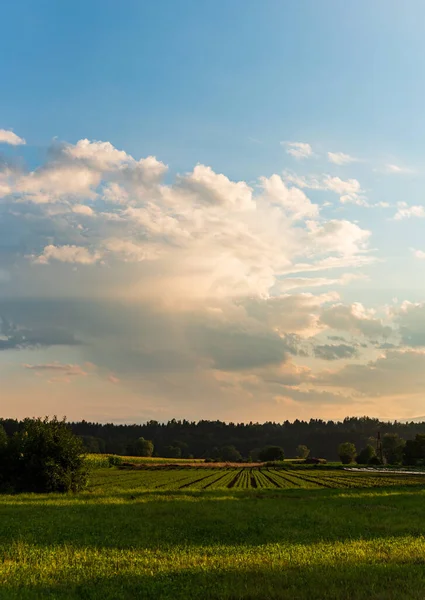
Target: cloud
{"x": 399, "y": 372}
{"x": 9, "y": 137}
{"x": 339, "y": 158}
{"x": 335, "y": 351}
{"x": 410, "y": 320}
{"x": 418, "y": 253}
{"x": 293, "y": 200}
{"x": 406, "y": 212}
{"x": 67, "y": 254}
{"x": 397, "y": 170}
{"x": 174, "y": 286}
{"x": 349, "y": 190}
{"x": 354, "y": 318}
{"x": 299, "y": 150}
{"x": 66, "y": 369}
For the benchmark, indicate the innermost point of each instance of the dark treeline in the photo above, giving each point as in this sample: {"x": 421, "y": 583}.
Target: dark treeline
{"x": 205, "y": 439}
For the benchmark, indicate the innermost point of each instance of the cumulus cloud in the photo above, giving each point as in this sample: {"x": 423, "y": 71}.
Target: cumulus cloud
{"x": 9, "y": 137}
{"x": 406, "y": 212}
{"x": 410, "y": 320}
{"x": 398, "y": 372}
{"x": 349, "y": 190}
{"x": 67, "y": 254}
{"x": 335, "y": 351}
{"x": 354, "y": 318}
{"x": 299, "y": 150}
{"x": 293, "y": 200}
{"x": 339, "y": 158}
{"x": 179, "y": 285}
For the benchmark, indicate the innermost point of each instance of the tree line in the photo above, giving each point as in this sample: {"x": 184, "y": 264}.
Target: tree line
{"x": 233, "y": 441}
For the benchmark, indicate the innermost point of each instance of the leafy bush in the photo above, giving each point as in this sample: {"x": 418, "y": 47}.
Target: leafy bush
{"x": 114, "y": 461}
{"x": 302, "y": 451}
{"x": 311, "y": 460}
{"x": 141, "y": 447}
{"x": 347, "y": 452}
{"x": 44, "y": 456}
{"x": 271, "y": 453}
{"x": 375, "y": 460}
{"x": 365, "y": 456}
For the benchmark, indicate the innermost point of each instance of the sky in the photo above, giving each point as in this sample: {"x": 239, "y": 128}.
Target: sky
{"x": 212, "y": 210}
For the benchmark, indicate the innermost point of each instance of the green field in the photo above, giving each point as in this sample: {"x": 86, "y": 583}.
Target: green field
{"x": 184, "y": 533}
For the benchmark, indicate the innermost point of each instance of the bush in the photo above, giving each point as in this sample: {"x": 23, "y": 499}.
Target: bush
{"x": 114, "y": 461}
{"x": 366, "y": 455}
{"x": 230, "y": 454}
{"x": 375, "y": 460}
{"x": 45, "y": 456}
{"x": 311, "y": 460}
{"x": 271, "y": 453}
{"x": 347, "y": 452}
{"x": 141, "y": 447}
{"x": 302, "y": 451}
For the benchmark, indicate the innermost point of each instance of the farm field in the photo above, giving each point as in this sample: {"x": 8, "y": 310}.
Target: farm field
{"x": 204, "y": 478}
{"x": 180, "y": 533}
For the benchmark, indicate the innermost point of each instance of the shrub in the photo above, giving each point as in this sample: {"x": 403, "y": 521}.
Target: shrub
{"x": 302, "y": 451}
{"x": 142, "y": 447}
{"x": 114, "y": 461}
{"x": 45, "y": 456}
{"x": 230, "y": 454}
{"x": 375, "y": 460}
{"x": 347, "y": 452}
{"x": 271, "y": 453}
{"x": 365, "y": 456}
{"x": 311, "y": 460}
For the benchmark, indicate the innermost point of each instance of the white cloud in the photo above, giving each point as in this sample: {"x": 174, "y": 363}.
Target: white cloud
{"x": 354, "y": 318}
{"x": 214, "y": 189}
{"x": 192, "y": 278}
{"x": 298, "y": 150}
{"x": 397, "y": 170}
{"x": 349, "y": 190}
{"x": 293, "y": 200}
{"x": 418, "y": 253}
{"x": 101, "y": 155}
{"x": 82, "y": 209}
{"x": 67, "y": 254}
{"x": 339, "y": 158}
{"x": 9, "y": 137}
{"x": 406, "y": 212}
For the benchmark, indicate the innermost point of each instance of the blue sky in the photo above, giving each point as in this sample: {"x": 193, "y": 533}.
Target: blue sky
{"x": 233, "y": 87}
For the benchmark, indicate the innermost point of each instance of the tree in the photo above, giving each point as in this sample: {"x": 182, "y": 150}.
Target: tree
{"x": 302, "y": 451}
{"x": 230, "y": 454}
{"x": 392, "y": 448}
{"x": 143, "y": 447}
{"x": 271, "y": 453}
{"x": 44, "y": 456}
{"x": 172, "y": 452}
{"x": 414, "y": 450}
{"x": 347, "y": 452}
{"x": 3, "y": 437}
{"x": 365, "y": 456}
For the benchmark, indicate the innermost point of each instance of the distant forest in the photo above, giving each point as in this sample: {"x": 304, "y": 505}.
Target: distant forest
{"x": 214, "y": 439}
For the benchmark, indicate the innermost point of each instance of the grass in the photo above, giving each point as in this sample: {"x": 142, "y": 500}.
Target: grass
{"x": 120, "y": 540}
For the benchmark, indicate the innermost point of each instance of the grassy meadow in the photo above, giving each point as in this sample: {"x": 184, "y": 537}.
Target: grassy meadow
{"x": 137, "y": 534}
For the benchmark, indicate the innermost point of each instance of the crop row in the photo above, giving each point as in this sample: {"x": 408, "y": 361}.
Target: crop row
{"x": 245, "y": 478}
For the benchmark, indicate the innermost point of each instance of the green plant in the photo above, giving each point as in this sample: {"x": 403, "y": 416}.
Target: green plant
{"x": 45, "y": 456}
{"x": 347, "y": 452}
{"x": 366, "y": 455}
{"x": 271, "y": 453}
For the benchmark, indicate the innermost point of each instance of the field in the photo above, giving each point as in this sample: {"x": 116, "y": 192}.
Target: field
{"x": 200, "y": 532}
